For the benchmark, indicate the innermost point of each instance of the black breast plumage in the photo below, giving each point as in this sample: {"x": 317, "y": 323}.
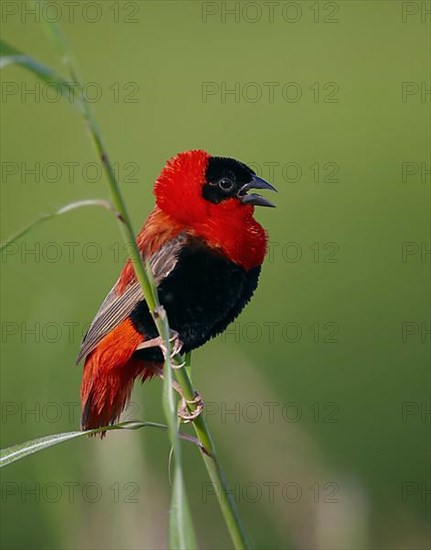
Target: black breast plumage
{"x": 202, "y": 295}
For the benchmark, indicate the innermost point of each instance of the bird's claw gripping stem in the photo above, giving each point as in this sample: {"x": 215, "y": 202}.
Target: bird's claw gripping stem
{"x": 183, "y": 410}
{"x": 186, "y": 415}
{"x": 176, "y": 347}
{"x": 160, "y": 343}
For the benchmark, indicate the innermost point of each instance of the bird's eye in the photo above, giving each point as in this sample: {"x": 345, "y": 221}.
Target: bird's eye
{"x": 226, "y": 184}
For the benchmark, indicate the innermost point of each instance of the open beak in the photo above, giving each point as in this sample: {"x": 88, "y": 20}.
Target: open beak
{"x": 254, "y": 198}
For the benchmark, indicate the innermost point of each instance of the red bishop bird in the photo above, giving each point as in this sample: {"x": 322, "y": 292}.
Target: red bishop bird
{"x": 205, "y": 250}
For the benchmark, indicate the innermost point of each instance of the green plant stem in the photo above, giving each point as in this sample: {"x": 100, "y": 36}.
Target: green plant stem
{"x": 213, "y": 466}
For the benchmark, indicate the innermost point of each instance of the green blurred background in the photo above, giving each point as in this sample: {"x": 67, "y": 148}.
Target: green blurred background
{"x": 325, "y": 374}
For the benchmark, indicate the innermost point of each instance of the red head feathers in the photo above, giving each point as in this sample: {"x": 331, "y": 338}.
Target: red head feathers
{"x": 208, "y": 196}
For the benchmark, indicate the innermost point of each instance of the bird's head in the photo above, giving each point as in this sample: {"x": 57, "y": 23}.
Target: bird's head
{"x": 195, "y": 186}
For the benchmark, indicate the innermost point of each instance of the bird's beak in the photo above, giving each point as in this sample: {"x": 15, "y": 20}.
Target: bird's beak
{"x": 254, "y": 198}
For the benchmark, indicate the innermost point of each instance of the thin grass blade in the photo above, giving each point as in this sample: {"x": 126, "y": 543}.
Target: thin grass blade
{"x": 21, "y": 450}
{"x": 67, "y": 208}
{"x": 181, "y": 531}
{"x": 11, "y": 56}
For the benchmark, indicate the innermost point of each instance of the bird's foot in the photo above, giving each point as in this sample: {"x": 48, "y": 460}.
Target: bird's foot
{"x": 187, "y": 415}
{"x": 176, "y": 346}
{"x": 158, "y": 342}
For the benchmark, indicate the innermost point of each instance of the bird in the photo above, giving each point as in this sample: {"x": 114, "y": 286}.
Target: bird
{"x": 205, "y": 251}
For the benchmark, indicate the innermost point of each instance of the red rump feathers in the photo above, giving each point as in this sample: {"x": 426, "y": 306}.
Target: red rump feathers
{"x": 109, "y": 374}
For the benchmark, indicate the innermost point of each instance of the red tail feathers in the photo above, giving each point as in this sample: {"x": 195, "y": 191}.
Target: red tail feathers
{"x": 109, "y": 373}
